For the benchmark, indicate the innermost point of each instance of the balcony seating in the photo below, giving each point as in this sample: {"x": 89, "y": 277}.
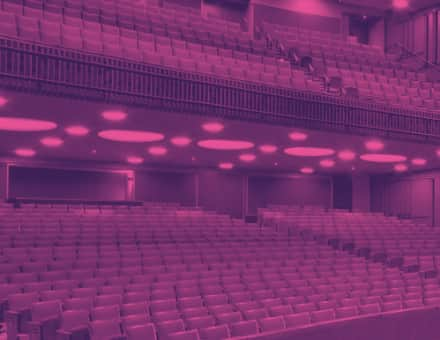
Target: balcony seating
{"x": 347, "y": 65}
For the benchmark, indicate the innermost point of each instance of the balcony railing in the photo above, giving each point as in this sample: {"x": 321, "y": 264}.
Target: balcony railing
{"x": 26, "y": 66}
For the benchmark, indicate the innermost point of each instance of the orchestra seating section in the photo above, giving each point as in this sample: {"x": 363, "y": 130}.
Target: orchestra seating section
{"x": 167, "y": 272}
{"x": 411, "y": 246}
{"x": 349, "y": 65}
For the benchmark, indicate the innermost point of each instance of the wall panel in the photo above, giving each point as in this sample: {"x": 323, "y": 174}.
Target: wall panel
{"x": 221, "y": 191}
{"x": 67, "y": 184}
{"x": 165, "y": 187}
{"x": 265, "y": 190}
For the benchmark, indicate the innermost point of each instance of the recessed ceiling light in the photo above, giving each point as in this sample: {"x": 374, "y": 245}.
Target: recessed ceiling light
{"x": 77, "y": 130}
{"x": 131, "y": 136}
{"x": 298, "y": 136}
{"x": 382, "y": 158}
{"x": 346, "y": 155}
{"x": 374, "y": 145}
{"x": 25, "y": 124}
{"x": 309, "y": 151}
{"x": 135, "y": 160}
{"x": 268, "y": 148}
{"x": 419, "y": 161}
{"x": 307, "y": 170}
{"x": 114, "y": 115}
{"x": 400, "y": 4}
{"x": 226, "y": 166}
{"x": 327, "y": 163}
{"x": 24, "y": 152}
{"x": 400, "y": 167}
{"x": 247, "y": 157}
{"x": 3, "y": 101}
{"x": 213, "y": 127}
{"x": 181, "y": 141}
{"x": 157, "y": 150}
{"x": 51, "y": 142}
{"x": 225, "y": 144}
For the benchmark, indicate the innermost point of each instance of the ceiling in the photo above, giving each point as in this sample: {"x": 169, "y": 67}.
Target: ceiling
{"x": 92, "y": 148}
{"x": 414, "y": 5}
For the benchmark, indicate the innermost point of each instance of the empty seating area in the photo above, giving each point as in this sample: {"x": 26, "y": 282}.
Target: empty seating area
{"x": 175, "y": 273}
{"x": 403, "y": 243}
{"x": 347, "y": 65}
{"x": 153, "y": 35}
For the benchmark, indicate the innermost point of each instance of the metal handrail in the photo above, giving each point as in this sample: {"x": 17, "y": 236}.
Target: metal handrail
{"x": 27, "y": 66}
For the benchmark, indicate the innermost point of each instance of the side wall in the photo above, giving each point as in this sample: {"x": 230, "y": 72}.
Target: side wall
{"x": 165, "y": 187}
{"x": 3, "y": 181}
{"x": 411, "y": 196}
{"x": 67, "y": 184}
{"x": 291, "y": 191}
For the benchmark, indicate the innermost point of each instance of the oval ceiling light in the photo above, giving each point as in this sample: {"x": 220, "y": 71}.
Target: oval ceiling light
{"x": 298, "y": 136}
{"x": 77, "y": 130}
{"x": 226, "y": 166}
{"x": 114, "y": 115}
{"x": 24, "y": 152}
{"x": 3, "y": 101}
{"x": 181, "y": 141}
{"x": 400, "y": 167}
{"x": 438, "y": 152}
{"x": 247, "y": 157}
{"x": 346, "y": 155}
{"x": 419, "y": 161}
{"x": 374, "y": 145}
{"x": 327, "y": 163}
{"x": 213, "y": 127}
{"x": 51, "y": 142}
{"x": 135, "y": 160}
{"x": 309, "y": 152}
{"x": 25, "y": 124}
{"x": 307, "y": 170}
{"x": 131, "y": 136}
{"x": 382, "y": 158}
{"x": 268, "y": 148}
{"x": 225, "y": 144}
{"x": 157, "y": 150}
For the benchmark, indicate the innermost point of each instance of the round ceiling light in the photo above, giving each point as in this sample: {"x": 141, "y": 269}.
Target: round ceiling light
{"x": 131, "y": 136}
{"x": 298, "y": 136}
{"x": 419, "y": 161}
{"x": 400, "y": 167}
{"x": 309, "y": 151}
{"x": 25, "y": 124}
{"x": 268, "y": 148}
{"x": 382, "y": 158}
{"x": 225, "y": 144}
{"x": 327, "y": 163}
{"x": 374, "y": 145}
{"x": 157, "y": 150}
{"x": 226, "y": 166}
{"x": 346, "y": 155}
{"x": 24, "y": 152}
{"x": 77, "y": 130}
{"x": 181, "y": 141}
{"x": 247, "y": 157}
{"x": 307, "y": 170}
{"x": 135, "y": 160}
{"x": 114, "y": 116}
{"x": 213, "y": 127}
{"x": 3, "y": 101}
{"x": 51, "y": 142}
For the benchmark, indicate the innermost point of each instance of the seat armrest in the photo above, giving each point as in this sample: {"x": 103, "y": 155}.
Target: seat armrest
{"x": 44, "y": 328}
